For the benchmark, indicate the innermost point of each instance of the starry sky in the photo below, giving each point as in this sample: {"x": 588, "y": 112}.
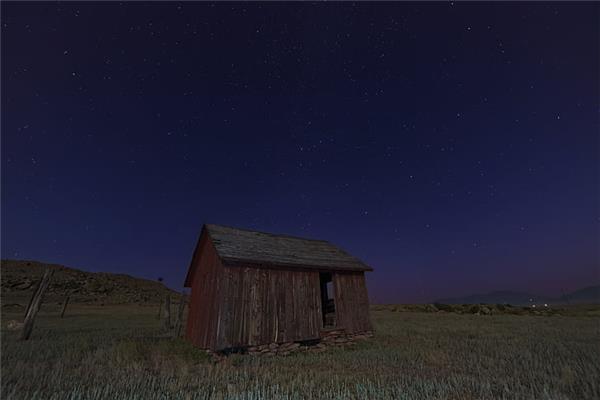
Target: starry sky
{"x": 452, "y": 146}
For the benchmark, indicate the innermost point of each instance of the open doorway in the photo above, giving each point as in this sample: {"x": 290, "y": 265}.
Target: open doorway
{"x": 327, "y": 302}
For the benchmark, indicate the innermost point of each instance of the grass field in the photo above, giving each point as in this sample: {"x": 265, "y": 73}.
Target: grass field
{"x": 118, "y": 352}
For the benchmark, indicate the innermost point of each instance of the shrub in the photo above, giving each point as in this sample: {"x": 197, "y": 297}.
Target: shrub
{"x": 443, "y": 307}
{"x": 431, "y": 308}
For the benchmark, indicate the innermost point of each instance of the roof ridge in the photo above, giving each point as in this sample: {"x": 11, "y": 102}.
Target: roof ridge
{"x": 268, "y": 233}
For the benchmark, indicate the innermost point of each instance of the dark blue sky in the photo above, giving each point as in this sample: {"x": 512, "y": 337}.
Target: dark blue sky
{"x": 453, "y": 147}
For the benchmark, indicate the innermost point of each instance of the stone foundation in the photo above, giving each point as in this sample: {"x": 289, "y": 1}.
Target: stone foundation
{"x": 329, "y": 338}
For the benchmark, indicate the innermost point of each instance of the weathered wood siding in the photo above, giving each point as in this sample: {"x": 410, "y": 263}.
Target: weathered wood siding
{"x": 351, "y": 301}
{"x": 262, "y": 306}
{"x": 237, "y": 306}
{"x": 203, "y": 317}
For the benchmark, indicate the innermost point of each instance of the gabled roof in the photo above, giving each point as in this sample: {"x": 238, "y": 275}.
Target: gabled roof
{"x": 245, "y": 247}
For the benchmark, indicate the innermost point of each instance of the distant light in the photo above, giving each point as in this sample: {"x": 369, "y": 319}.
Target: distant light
{"x": 545, "y": 304}
{"x": 533, "y": 306}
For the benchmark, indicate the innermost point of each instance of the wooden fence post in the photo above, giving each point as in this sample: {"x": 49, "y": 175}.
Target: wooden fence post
{"x": 179, "y": 321}
{"x": 167, "y": 316}
{"x": 35, "y": 303}
{"x": 62, "y": 314}
{"x": 37, "y": 287}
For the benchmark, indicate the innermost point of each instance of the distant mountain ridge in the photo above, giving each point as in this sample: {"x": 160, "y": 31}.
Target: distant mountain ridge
{"x": 584, "y": 294}
{"x": 20, "y": 278}
{"x": 590, "y": 294}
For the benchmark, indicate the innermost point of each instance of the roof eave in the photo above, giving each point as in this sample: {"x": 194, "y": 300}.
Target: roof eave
{"x": 230, "y": 261}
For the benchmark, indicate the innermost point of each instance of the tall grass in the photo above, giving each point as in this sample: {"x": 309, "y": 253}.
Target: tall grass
{"x": 119, "y": 352}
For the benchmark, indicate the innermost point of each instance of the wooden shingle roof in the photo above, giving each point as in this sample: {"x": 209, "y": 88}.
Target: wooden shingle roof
{"x": 240, "y": 246}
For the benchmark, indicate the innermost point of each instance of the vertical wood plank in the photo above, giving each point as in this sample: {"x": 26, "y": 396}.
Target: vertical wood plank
{"x": 352, "y": 302}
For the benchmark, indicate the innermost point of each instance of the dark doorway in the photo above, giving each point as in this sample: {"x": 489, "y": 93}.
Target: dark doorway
{"x": 327, "y": 302}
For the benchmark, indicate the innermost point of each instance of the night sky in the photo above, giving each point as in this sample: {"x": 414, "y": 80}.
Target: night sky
{"x": 453, "y": 147}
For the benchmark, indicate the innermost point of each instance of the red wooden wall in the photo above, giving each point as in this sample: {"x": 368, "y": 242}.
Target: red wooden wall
{"x": 351, "y": 302}
{"x": 233, "y": 306}
{"x": 262, "y": 306}
{"x": 203, "y": 316}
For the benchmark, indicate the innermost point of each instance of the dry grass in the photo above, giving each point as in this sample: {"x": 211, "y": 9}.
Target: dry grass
{"x": 118, "y": 352}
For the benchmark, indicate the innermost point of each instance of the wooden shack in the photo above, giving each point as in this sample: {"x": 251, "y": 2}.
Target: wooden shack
{"x": 253, "y": 288}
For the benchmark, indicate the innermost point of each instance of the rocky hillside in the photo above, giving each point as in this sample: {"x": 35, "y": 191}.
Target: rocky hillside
{"x": 19, "y": 279}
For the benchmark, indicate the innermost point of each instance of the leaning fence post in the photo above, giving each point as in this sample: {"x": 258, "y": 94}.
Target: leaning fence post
{"x": 160, "y": 305}
{"x": 37, "y": 287}
{"x": 179, "y": 321}
{"x": 34, "y": 305}
{"x": 62, "y": 314}
{"x": 167, "y": 317}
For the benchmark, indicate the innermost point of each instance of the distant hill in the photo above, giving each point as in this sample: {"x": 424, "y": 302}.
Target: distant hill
{"x": 590, "y": 294}
{"x": 498, "y": 297}
{"x": 586, "y": 295}
{"x": 20, "y": 277}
